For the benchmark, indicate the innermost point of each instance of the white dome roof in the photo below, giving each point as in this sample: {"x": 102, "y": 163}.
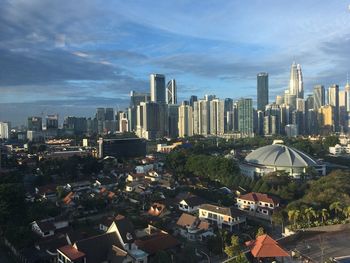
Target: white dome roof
{"x": 280, "y": 155}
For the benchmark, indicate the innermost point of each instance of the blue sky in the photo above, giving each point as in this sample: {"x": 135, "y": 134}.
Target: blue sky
{"x": 73, "y": 56}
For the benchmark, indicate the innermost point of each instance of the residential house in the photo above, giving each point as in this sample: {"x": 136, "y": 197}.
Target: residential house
{"x": 190, "y": 204}
{"x": 157, "y": 210}
{"x": 154, "y": 240}
{"x": 78, "y": 186}
{"x": 47, "y": 192}
{"x": 116, "y": 245}
{"x": 223, "y": 217}
{"x": 193, "y": 229}
{"x": 48, "y": 227}
{"x": 153, "y": 176}
{"x": 258, "y": 203}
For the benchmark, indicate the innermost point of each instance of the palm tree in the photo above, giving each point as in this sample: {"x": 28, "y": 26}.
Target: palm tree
{"x": 346, "y": 211}
{"x": 293, "y": 215}
{"x": 336, "y": 207}
{"x": 309, "y": 214}
{"x": 324, "y": 215}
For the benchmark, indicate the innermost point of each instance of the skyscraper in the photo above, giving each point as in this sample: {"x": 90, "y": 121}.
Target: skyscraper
{"x": 185, "y": 124}
{"x": 333, "y": 100}
{"x": 173, "y": 120}
{"x": 148, "y": 120}
{"x": 201, "y": 120}
{"x": 35, "y": 123}
{"x": 347, "y": 90}
{"x": 52, "y": 122}
{"x": 171, "y": 90}
{"x": 109, "y": 114}
{"x": 245, "y": 116}
{"x": 296, "y": 85}
{"x": 319, "y": 97}
{"x": 217, "y": 117}
{"x": 135, "y": 99}
{"x": 193, "y": 99}
{"x": 5, "y": 130}
{"x": 157, "y": 83}
{"x": 262, "y": 90}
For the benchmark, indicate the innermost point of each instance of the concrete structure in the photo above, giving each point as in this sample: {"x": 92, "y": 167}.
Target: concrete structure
{"x": 171, "y": 92}
{"x": 185, "y": 124}
{"x": 262, "y": 90}
{"x": 223, "y": 217}
{"x": 258, "y": 203}
{"x": 245, "y": 116}
{"x": 5, "y": 130}
{"x": 157, "y": 85}
{"x": 278, "y": 157}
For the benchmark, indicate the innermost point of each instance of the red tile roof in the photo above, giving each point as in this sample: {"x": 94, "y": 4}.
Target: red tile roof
{"x": 156, "y": 209}
{"x": 259, "y": 197}
{"x": 265, "y": 247}
{"x": 71, "y": 252}
{"x": 158, "y": 242}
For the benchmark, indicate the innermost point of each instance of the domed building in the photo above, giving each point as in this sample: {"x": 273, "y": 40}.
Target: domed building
{"x": 279, "y": 157}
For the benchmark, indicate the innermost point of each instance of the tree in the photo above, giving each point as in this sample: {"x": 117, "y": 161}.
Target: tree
{"x": 330, "y": 141}
{"x": 309, "y": 214}
{"x": 324, "y": 215}
{"x": 336, "y": 207}
{"x": 233, "y": 249}
{"x": 294, "y": 215}
{"x": 346, "y": 211}
{"x": 260, "y": 232}
{"x": 161, "y": 257}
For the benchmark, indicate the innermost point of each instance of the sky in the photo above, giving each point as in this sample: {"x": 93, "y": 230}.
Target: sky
{"x": 69, "y": 57}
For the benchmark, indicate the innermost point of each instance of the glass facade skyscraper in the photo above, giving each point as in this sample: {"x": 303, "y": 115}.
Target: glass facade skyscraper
{"x": 262, "y": 90}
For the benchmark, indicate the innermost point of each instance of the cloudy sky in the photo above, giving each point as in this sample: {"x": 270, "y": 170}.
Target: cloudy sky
{"x": 70, "y": 57}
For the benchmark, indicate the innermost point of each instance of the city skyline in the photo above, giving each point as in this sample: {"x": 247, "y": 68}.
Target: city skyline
{"x": 70, "y": 63}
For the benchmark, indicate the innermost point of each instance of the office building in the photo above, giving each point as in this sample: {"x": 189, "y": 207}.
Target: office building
{"x": 147, "y": 123}
{"x": 262, "y": 90}
{"x": 109, "y": 114}
{"x": 319, "y": 97}
{"x": 173, "y": 121}
{"x": 135, "y": 99}
{"x": 157, "y": 85}
{"x": 171, "y": 92}
{"x": 279, "y": 100}
{"x": 272, "y": 119}
{"x": 5, "y": 130}
{"x": 75, "y": 125}
{"x": 193, "y": 98}
{"x": 326, "y": 117}
{"x": 296, "y": 85}
{"x": 185, "y": 124}
{"x": 34, "y": 123}
{"x": 121, "y": 148}
{"x": 245, "y": 116}
{"x": 52, "y": 121}
{"x": 333, "y": 100}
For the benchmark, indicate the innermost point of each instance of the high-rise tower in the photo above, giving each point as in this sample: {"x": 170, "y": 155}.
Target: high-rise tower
{"x": 262, "y": 90}
{"x": 157, "y": 83}
{"x": 296, "y": 85}
{"x": 171, "y": 97}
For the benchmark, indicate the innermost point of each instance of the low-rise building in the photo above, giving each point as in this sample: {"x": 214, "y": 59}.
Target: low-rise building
{"x": 190, "y": 204}
{"x": 193, "y": 229}
{"x": 258, "y": 203}
{"x": 223, "y": 217}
